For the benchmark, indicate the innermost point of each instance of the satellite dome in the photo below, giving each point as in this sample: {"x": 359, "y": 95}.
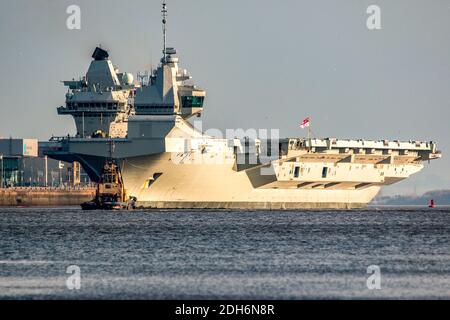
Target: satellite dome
{"x": 127, "y": 78}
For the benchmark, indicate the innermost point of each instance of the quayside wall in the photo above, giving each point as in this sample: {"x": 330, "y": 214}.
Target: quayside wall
{"x": 42, "y": 197}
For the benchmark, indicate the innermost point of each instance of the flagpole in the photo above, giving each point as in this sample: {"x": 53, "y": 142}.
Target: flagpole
{"x": 309, "y": 129}
{"x": 307, "y": 123}
{"x": 309, "y": 134}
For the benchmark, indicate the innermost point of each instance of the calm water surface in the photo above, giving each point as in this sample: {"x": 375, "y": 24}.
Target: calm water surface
{"x": 168, "y": 254}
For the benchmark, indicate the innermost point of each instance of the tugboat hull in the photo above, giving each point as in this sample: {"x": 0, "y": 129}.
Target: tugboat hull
{"x": 92, "y": 205}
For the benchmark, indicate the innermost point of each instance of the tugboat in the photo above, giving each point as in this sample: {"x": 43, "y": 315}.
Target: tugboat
{"x": 110, "y": 193}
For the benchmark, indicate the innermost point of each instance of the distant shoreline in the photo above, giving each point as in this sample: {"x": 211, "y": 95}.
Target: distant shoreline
{"x": 440, "y": 197}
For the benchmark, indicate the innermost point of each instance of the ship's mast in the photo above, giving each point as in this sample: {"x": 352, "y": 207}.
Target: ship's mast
{"x": 164, "y": 21}
{"x": 112, "y": 146}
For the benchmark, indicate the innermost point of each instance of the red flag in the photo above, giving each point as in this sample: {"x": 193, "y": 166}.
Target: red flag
{"x": 305, "y": 123}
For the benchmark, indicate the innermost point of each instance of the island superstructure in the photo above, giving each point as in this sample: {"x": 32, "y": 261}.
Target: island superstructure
{"x": 166, "y": 162}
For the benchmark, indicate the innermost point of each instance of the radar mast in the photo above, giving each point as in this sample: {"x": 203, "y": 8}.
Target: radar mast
{"x": 164, "y": 21}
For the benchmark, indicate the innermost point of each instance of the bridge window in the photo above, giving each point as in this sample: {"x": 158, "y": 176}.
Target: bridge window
{"x": 324, "y": 172}
{"x": 110, "y": 178}
{"x": 192, "y": 102}
{"x": 296, "y": 172}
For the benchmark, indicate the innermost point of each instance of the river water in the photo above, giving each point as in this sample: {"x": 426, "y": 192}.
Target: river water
{"x": 169, "y": 254}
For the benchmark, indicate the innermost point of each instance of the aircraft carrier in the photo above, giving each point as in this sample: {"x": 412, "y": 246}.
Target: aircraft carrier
{"x": 166, "y": 162}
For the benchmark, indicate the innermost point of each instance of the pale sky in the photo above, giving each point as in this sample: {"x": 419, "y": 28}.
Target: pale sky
{"x": 264, "y": 64}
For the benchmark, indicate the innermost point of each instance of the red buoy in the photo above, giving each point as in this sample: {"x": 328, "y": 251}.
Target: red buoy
{"x": 432, "y": 205}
